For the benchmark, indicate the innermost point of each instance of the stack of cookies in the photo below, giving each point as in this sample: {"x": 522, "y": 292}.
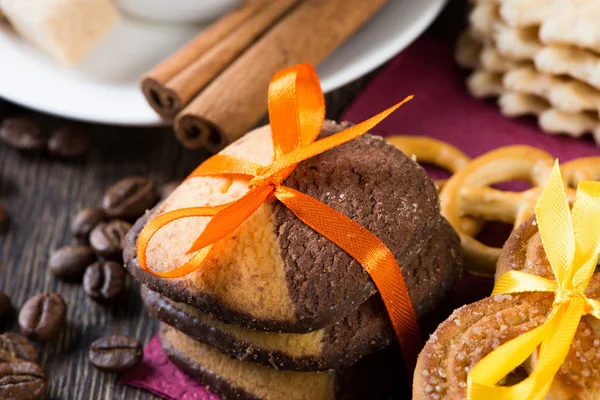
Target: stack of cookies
{"x": 538, "y": 57}
{"x": 281, "y": 312}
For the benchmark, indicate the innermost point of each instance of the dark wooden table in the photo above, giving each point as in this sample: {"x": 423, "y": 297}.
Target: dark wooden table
{"x": 41, "y": 195}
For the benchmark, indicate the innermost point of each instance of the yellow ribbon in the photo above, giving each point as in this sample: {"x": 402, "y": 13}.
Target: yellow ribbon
{"x": 571, "y": 239}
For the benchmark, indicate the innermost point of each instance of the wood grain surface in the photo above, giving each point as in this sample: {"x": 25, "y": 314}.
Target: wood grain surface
{"x": 42, "y": 195}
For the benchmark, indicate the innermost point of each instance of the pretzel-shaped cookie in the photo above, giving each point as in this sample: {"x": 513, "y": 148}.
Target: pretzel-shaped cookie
{"x": 467, "y": 198}
{"x": 468, "y": 193}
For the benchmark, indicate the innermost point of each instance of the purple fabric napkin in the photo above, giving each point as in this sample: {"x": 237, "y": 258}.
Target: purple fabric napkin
{"x": 160, "y": 376}
{"x": 442, "y": 109}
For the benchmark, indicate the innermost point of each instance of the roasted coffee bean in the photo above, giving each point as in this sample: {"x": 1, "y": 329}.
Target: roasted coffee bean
{"x": 168, "y": 188}
{"x": 23, "y": 134}
{"x": 5, "y": 308}
{"x": 70, "y": 262}
{"x": 21, "y": 380}
{"x": 129, "y": 198}
{"x": 14, "y": 347}
{"x": 42, "y": 316}
{"x": 70, "y": 141}
{"x": 115, "y": 353}
{"x": 104, "y": 281}
{"x": 106, "y": 238}
{"x": 86, "y": 220}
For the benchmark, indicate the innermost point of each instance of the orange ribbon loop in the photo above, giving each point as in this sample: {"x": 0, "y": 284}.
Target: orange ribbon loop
{"x": 297, "y": 113}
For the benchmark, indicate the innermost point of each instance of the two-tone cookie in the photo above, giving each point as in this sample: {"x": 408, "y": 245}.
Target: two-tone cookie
{"x": 340, "y": 344}
{"x": 274, "y": 273}
{"x": 376, "y": 377}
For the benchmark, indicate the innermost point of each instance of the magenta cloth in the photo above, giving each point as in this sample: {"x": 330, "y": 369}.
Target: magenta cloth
{"x": 442, "y": 109}
{"x": 160, "y": 376}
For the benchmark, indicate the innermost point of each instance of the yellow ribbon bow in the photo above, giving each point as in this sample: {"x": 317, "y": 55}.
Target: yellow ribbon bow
{"x": 571, "y": 239}
{"x": 297, "y": 113}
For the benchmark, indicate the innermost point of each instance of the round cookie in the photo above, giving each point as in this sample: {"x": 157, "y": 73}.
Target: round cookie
{"x": 376, "y": 376}
{"x": 340, "y": 344}
{"x": 476, "y": 329}
{"x": 276, "y": 273}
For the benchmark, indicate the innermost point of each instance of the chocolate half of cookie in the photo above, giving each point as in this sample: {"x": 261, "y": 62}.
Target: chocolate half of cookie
{"x": 340, "y": 344}
{"x": 376, "y": 377}
{"x": 274, "y": 272}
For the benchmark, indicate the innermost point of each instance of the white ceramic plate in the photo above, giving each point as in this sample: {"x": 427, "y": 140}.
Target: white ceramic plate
{"x": 104, "y": 88}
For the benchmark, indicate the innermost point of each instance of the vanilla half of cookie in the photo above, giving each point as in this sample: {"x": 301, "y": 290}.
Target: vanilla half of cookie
{"x": 275, "y": 272}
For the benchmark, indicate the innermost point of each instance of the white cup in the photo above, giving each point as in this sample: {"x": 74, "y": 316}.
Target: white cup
{"x": 171, "y": 11}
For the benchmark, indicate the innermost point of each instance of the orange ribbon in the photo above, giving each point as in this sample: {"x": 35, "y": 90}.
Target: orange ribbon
{"x": 297, "y": 113}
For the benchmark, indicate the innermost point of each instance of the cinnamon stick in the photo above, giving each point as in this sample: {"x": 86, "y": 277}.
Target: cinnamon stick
{"x": 237, "y": 99}
{"x": 164, "y": 99}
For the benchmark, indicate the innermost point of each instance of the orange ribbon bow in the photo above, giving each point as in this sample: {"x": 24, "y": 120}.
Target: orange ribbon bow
{"x": 297, "y": 113}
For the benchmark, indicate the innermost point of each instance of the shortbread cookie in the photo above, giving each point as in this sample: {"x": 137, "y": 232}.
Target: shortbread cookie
{"x": 483, "y": 19}
{"x": 467, "y": 50}
{"x": 551, "y": 120}
{"x": 491, "y": 60}
{"x": 573, "y": 124}
{"x": 65, "y": 29}
{"x": 514, "y": 104}
{"x": 276, "y": 273}
{"x": 337, "y": 345}
{"x": 376, "y": 377}
{"x": 567, "y": 60}
{"x": 573, "y": 25}
{"x": 562, "y": 93}
{"x": 519, "y": 44}
{"x": 484, "y": 84}
{"x": 526, "y": 13}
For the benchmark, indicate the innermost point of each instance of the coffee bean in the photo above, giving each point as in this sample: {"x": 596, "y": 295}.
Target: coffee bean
{"x": 129, "y": 198}
{"x": 115, "y": 353}
{"x": 42, "y": 316}
{"x": 23, "y": 134}
{"x": 70, "y": 262}
{"x": 106, "y": 238}
{"x": 70, "y": 141}
{"x": 104, "y": 281}
{"x": 168, "y": 188}
{"x": 16, "y": 347}
{"x": 86, "y": 220}
{"x": 5, "y": 308}
{"x": 21, "y": 380}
